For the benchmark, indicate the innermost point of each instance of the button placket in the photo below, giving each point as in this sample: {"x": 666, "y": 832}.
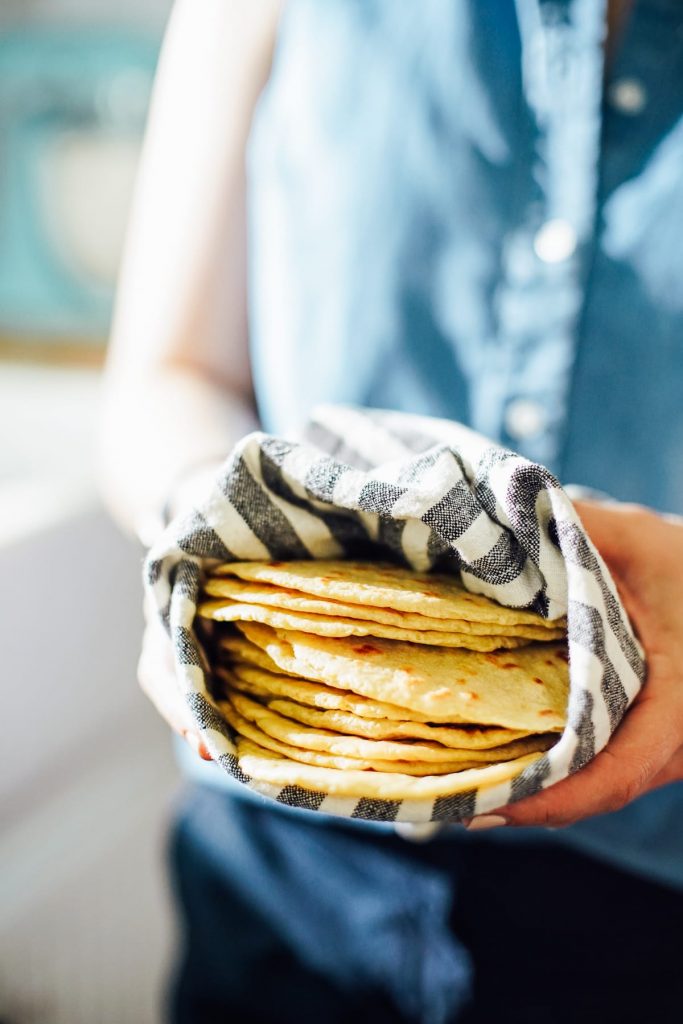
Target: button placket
{"x": 563, "y": 68}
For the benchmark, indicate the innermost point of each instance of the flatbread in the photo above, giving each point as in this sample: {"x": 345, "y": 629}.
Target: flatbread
{"x": 294, "y": 734}
{"x": 318, "y": 695}
{"x": 319, "y": 625}
{"x": 321, "y": 759}
{"x": 454, "y": 737}
{"x": 339, "y": 711}
{"x": 241, "y": 592}
{"x": 384, "y": 586}
{"x": 239, "y": 649}
{"x": 273, "y": 769}
{"x": 525, "y": 689}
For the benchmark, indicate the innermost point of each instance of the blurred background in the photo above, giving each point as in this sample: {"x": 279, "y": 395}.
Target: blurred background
{"x": 87, "y": 779}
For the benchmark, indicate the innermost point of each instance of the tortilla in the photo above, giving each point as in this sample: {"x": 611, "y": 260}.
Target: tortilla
{"x": 272, "y": 769}
{"x": 321, "y": 759}
{"x": 525, "y": 689}
{"x": 296, "y": 735}
{"x": 461, "y": 738}
{"x": 365, "y": 680}
{"x": 319, "y": 625}
{"x": 342, "y": 712}
{"x": 315, "y": 694}
{"x": 381, "y": 585}
{"x": 241, "y": 592}
{"x": 239, "y": 649}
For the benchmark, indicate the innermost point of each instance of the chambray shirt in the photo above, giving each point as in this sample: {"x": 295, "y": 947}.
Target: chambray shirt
{"x": 456, "y": 209}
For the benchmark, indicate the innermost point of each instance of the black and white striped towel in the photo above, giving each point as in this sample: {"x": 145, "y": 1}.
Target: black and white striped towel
{"x": 426, "y": 492}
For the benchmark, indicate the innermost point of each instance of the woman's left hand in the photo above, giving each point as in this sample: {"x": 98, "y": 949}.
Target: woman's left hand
{"x": 644, "y": 552}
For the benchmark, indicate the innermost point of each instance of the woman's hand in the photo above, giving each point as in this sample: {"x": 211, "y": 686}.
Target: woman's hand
{"x": 156, "y": 675}
{"x": 644, "y": 552}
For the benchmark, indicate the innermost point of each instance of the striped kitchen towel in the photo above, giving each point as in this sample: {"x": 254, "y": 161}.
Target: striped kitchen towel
{"x": 425, "y": 492}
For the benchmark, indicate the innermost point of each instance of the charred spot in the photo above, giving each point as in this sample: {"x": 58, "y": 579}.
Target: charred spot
{"x": 562, "y": 655}
{"x": 366, "y": 649}
{"x": 546, "y": 712}
{"x": 539, "y": 681}
{"x": 510, "y": 664}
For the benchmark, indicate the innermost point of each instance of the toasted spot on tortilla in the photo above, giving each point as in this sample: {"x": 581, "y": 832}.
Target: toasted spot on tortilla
{"x": 366, "y": 649}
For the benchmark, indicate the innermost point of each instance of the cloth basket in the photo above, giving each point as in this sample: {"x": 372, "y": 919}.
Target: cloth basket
{"x": 426, "y": 493}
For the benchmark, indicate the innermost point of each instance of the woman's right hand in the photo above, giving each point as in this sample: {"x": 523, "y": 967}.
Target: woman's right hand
{"x": 157, "y": 677}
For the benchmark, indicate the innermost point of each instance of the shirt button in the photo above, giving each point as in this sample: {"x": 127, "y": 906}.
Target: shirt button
{"x": 628, "y": 95}
{"x": 555, "y": 241}
{"x": 524, "y": 419}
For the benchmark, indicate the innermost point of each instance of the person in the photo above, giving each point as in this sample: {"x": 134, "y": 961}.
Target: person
{"x": 461, "y": 209}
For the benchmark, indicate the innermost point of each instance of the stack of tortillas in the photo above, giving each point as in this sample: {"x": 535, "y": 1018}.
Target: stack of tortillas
{"x": 370, "y": 680}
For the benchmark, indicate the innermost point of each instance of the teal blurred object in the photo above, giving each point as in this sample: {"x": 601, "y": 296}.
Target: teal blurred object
{"x": 72, "y": 111}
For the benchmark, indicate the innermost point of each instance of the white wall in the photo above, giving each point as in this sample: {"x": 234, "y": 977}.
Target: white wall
{"x": 87, "y": 769}
{"x": 87, "y": 778}
{"x": 70, "y": 618}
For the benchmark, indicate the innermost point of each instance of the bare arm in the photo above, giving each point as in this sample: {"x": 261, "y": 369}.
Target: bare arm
{"x": 177, "y": 389}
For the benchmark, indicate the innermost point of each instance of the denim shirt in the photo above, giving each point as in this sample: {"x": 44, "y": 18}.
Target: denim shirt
{"x": 454, "y": 209}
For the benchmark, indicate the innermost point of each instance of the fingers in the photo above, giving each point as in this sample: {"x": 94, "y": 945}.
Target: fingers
{"x": 638, "y": 754}
{"x": 200, "y": 749}
{"x": 418, "y": 833}
{"x": 156, "y": 675}
{"x": 609, "y": 524}
{"x": 643, "y": 550}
